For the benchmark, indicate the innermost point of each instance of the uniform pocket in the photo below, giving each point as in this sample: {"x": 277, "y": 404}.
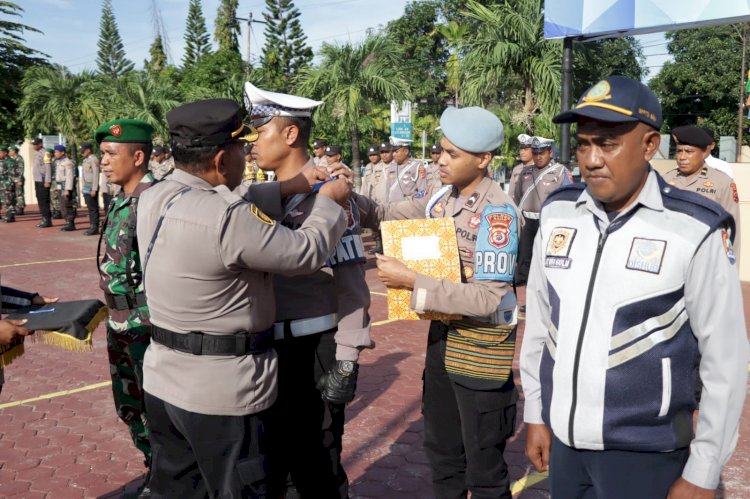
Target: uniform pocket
{"x": 253, "y": 476}
{"x": 497, "y": 420}
{"x": 666, "y": 386}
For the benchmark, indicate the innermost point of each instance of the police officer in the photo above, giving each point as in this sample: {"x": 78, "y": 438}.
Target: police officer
{"x": 333, "y": 156}
{"x": 469, "y": 395}
{"x": 210, "y": 370}
{"x": 42, "y": 173}
{"x": 160, "y": 166}
{"x": 90, "y": 186}
{"x": 65, "y": 180}
{"x": 693, "y": 174}
{"x": 623, "y": 291}
{"x": 319, "y": 152}
{"x": 373, "y": 187}
{"x": 534, "y": 184}
{"x": 322, "y": 319}
{"x": 526, "y": 159}
{"x": 435, "y": 152}
{"x": 386, "y": 153}
{"x": 402, "y": 174}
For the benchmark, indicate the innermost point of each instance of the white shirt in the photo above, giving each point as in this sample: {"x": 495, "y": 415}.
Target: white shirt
{"x": 720, "y": 165}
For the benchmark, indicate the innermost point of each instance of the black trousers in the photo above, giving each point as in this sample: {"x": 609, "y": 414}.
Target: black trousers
{"x": 42, "y": 197}
{"x": 106, "y": 199}
{"x": 197, "y": 456}
{"x": 66, "y": 205}
{"x": 525, "y": 248}
{"x": 465, "y": 430}
{"x": 613, "y": 474}
{"x": 306, "y": 431}
{"x": 92, "y": 203}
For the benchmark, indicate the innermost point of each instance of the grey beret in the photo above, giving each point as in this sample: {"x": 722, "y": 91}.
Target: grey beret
{"x": 472, "y": 129}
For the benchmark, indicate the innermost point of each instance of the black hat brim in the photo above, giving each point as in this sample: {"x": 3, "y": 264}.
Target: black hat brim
{"x": 595, "y": 113}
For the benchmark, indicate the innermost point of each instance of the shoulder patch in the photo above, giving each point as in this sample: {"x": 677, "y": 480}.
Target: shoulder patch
{"x": 735, "y": 196}
{"x": 260, "y": 215}
{"x": 496, "y": 249}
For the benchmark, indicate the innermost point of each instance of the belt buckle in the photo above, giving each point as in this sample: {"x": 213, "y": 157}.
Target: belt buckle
{"x": 195, "y": 341}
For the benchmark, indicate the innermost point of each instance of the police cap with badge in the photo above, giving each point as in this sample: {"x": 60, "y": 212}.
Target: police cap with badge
{"x": 207, "y": 123}
{"x": 436, "y": 149}
{"x": 397, "y": 144}
{"x": 692, "y": 136}
{"x": 616, "y": 99}
{"x": 86, "y": 146}
{"x": 373, "y": 151}
{"x": 264, "y": 105}
{"x": 524, "y": 141}
{"x": 476, "y": 130}
{"x": 386, "y": 147}
{"x": 319, "y": 143}
{"x": 333, "y": 150}
{"x": 539, "y": 144}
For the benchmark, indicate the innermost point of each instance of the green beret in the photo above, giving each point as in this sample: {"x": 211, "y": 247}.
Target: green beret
{"x": 124, "y": 130}
{"x": 4, "y": 148}
{"x": 50, "y": 150}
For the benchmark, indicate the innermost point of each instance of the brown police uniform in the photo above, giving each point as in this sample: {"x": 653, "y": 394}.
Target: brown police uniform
{"x": 514, "y": 178}
{"x": 402, "y": 180}
{"x": 373, "y": 182}
{"x": 714, "y": 185}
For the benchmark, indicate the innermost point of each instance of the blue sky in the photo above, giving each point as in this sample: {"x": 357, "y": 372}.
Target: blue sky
{"x": 71, "y": 27}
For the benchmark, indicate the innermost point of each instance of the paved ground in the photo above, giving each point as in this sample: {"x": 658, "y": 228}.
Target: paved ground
{"x": 60, "y": 437}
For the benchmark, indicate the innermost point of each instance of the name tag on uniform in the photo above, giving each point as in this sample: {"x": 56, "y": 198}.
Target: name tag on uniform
{"x": 646, "y": 255}
{"x": 558, "y": 248}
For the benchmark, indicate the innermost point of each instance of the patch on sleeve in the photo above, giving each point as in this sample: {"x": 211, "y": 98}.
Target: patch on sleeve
{"x": 496, "y": 249}
{"x": 558, "y": 248}
{"x": 646, "y": 255}
{"x": 260, "y": 215}
{"x": 728, "y": 247}
{"x": 735, "y": 196}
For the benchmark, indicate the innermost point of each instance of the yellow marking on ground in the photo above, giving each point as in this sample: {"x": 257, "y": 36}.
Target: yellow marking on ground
{"x": 41, "y": 262}
{"x": 528, "y": 481}
{"x": 57, "y": 394}
{"x": 378, "y": 293}
{"x": 387, "y": 321}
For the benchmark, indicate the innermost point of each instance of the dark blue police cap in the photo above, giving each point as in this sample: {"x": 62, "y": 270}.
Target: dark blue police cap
{"x": 616, "y": 99}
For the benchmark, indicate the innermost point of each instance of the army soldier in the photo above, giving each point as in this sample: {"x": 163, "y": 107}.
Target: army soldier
{"x": 624, "y": 292}
{"x": 125, "y": 146}
{"x": 319, "y": 152}
{"x": 42, "y": 173}
{"x": 8, "y": 178}
{"x": 90, "y": 186}
{"x": 20, "y": 179}
{"x": 210, "y": 371}
{"x": 402, "y": 175}
{"x": 527, "y": 159}
{"x": 65, "y": 178}
{"x": 469, "y": 395}
{"x": 693, "y": 174}
{"x": 322, "y": 319}
{"x": 534, "y": 184}
{"x": 54, "y": 200}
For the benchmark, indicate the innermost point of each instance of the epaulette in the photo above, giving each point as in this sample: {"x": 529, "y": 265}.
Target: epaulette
{"x": 570, "y": 192}
{"x": 694, "y": 205}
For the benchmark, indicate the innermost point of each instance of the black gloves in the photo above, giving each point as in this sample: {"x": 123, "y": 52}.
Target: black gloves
{"x": 339, "y": 384}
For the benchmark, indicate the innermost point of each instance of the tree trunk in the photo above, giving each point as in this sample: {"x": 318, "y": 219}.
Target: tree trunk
{"x": 355, "y": 158}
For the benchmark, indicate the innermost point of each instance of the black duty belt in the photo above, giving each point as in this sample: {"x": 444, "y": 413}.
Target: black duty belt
{"x": 198, "y": 343}
{"x": 125, "y": 302}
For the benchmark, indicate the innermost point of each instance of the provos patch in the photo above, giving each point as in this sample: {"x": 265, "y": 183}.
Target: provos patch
{"x": 558, "y": 248}
{"x": 646, "y": 255}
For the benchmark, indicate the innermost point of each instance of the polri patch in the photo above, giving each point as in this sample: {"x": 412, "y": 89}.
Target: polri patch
{"x": 558, "y": 248}
{"x": 260, "y": 215}
{"x": 735, "y": 196}
{"x": 646, "y": 255}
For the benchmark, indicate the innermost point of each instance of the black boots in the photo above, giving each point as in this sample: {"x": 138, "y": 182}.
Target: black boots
{"x": 46, "y": 222}
{"x": 69, "y": 226}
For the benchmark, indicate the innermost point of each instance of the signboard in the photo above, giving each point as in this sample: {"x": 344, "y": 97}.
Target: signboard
{"x": 401, "y": 127}
{"x": 602, "y": 18}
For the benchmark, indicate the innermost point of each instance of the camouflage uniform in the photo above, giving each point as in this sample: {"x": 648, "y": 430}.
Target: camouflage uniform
{"x": 128, "y": 329}
{"x": 20, "y": 198}
{"x": 54, "y": 201}
{"x": 9, "y": 178}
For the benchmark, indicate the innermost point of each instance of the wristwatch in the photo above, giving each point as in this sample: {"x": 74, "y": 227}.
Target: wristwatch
{"x": 346, "y": 367}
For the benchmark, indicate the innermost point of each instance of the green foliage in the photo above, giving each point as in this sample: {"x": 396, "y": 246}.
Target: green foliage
{"x": 197, "y": 43}
{"x": 110, "y": 57}
{"x": 702, "y": 85}
{"x": 144, "y": 97}
{"x": 56, "y": 100}
{"x": 158, "y": 61}
{"x": 220, "y": 74}
{"x": 352, "y": 79}
{"x": 508, "y": 59}
{"x": 15, "y": 59}
{"x": 598, "y": 59}
{"x": 227, "y": 28}
{"x": 286, "y": 51}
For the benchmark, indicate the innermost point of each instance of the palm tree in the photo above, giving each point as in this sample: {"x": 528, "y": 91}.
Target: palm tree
{"x": 352, "y": 79}
{"x": 147, "y": 98}
{"x": 508, "y": 55}
{"x": 454, "y": 35}
{"x": 56, "y": 100}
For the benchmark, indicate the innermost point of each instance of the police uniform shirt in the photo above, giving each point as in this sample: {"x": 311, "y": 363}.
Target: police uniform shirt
{"x": 337, "y": 288}
{"x": 470, "y": 298}
{"x": 90, "y": 176}
{"x": 535, "y": 184}
{"x": 209, "y": 270}
{"x": 714, "y": 185}
{"x": 320, "y": 162}
{"x": 65, "y": 174}
{"x": 514, "y": 174}
{"x": 401, "y": 180}
{"x": 663, "y": 267}
{"x": 373, "y": 182}
{"x": 41, "y": 171}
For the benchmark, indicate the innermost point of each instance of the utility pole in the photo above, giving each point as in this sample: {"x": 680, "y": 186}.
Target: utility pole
{"x": 740, "y": 106}
{"x": 249, "y": 19}
{"x": 567, "y": 83}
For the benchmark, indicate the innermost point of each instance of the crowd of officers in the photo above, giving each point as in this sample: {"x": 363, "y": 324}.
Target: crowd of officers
{"x": 234, "y": 356}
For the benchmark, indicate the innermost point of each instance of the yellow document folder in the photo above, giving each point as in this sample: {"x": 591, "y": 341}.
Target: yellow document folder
{"x": 427, "y": 246}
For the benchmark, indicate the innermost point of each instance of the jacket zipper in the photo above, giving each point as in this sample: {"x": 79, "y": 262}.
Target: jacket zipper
{"x": 579, "y": 346}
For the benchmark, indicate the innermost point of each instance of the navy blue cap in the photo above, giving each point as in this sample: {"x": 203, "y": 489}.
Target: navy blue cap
{"x": 318, "y": 143}
{"x": 59, "y": 147}
{"x": 373, "y": 150}
{"x": 386, "y": 147}
{"x": 333, "y": 150}
{"x": 616, "y": 99}
{"x": 435, "y": 149}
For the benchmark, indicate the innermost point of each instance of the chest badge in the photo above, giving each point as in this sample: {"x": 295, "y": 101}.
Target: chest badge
{"x": 708, "y": 184}
{"x": 438, "y": 207}
{"x": 646, "y": 255}
{"x": 558, "y": 248}
{"x": 474, "y": 221}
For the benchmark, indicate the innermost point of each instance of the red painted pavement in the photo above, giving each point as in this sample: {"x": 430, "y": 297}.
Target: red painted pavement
{"x": 74, "y": 446}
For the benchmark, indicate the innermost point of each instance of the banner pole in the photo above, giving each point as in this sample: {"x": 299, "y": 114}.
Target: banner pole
{"x": 567, "y": 82}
